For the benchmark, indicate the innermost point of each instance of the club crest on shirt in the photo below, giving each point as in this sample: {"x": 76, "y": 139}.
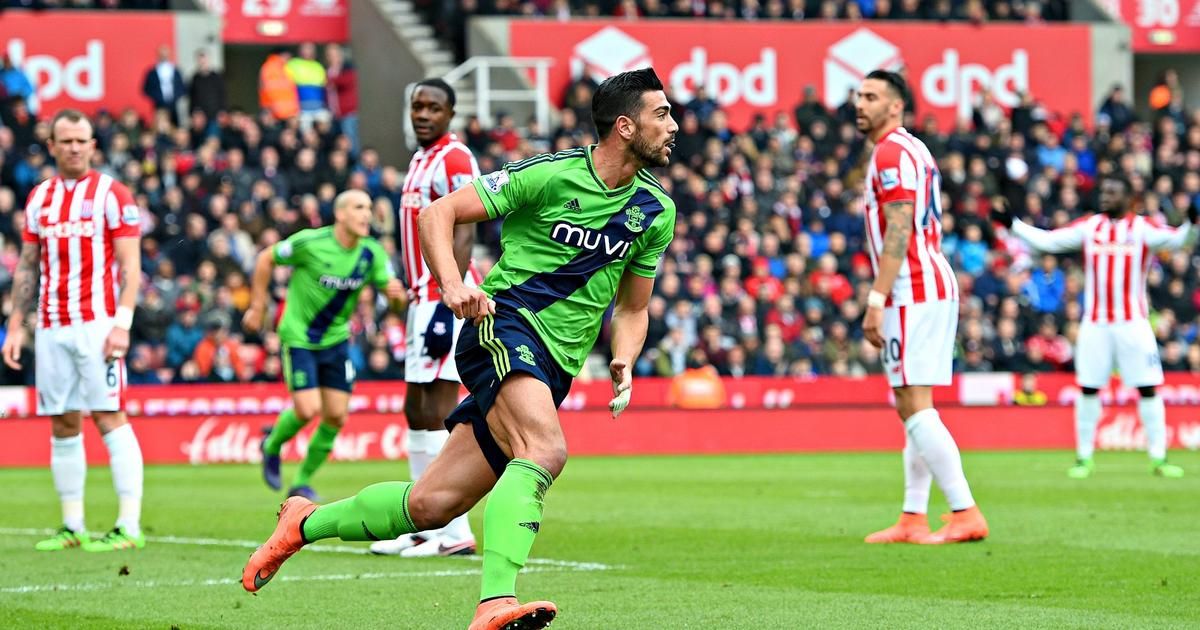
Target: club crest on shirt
{"x": 633, "y": 218}
{"x": 889, "y": 178}
{"x": 495, "y": 181}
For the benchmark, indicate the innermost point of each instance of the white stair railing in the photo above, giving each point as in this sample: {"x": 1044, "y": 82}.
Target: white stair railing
{"x": 480, "y": 70}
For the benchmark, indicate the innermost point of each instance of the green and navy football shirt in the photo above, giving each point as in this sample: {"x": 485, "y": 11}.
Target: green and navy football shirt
{"x": 567, "y": 239}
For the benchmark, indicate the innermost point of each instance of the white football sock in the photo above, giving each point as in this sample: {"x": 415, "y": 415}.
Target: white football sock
{"x": 459, "y": 528}
{"x": 936, "y": 446}
{"x": 1154, "y": 421}
{"x": 125, "y": 458}
{"x": 917, "y": 479}
{"x": 418, "y": 458}
{"x": 1087, "y": 416}
{"x": 68, "y": 466}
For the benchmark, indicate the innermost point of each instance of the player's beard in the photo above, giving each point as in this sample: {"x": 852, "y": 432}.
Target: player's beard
{"x": 647, "y": 153}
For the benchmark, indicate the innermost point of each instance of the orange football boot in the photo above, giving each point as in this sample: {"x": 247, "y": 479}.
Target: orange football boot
{"x": 910, "y": 528}
{"x": 962, "y": 526}
{"x": 284, "y": 541}
{"x": 506, "y": 613}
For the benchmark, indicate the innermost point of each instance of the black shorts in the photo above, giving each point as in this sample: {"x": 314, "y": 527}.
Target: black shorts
{"x": 487, "y": 354}
{"x": 328, "y": 367}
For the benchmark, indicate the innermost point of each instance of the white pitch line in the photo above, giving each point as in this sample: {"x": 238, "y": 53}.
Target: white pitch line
{"x": 250, "y": 544}
{"x": 337, "y": 577}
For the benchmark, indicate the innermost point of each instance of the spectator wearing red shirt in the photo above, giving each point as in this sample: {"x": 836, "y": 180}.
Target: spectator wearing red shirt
{"x": 762, "y": 285}
{"x": 1049, "y": 344}
{"x": 787, "y": 318}
{"x": 342, "y": 92}
{"x": 828, "y": 283}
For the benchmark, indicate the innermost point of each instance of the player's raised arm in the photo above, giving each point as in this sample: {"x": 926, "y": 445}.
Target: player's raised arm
{"x": 1159, "y": 237}
{"x": 436, "y": 229}
{"x": 260, "y": 281}
{"x": 1060, "y": 241}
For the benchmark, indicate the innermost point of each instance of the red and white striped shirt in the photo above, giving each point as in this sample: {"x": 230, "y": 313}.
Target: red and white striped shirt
{"x": 901, "y": 169}
{"x": 434, "y": 172}
{"x": 1116, "y": 259}
{"x": 74, "y": 223}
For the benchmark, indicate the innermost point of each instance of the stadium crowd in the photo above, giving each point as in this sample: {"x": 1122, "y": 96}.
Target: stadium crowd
{"x": 766, "y": 275}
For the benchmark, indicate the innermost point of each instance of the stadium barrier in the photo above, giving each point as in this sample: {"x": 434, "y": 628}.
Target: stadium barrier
{"x": 204, "y": 424}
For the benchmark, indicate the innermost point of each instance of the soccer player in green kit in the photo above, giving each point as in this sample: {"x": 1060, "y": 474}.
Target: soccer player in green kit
{"x": 580, "y": 227}
{"x": 330, "y": 267}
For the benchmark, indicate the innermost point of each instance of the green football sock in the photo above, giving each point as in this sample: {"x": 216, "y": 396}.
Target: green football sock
{"x": 286, "y": 428}
{"x": 378, "y": 512}
{"x": 318, "y": 451}
{"x": 511, "y": 521}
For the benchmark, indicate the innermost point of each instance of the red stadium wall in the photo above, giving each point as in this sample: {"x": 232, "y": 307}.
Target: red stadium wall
{"x": 213, "y": 424}
{"x": 752, "y": 68}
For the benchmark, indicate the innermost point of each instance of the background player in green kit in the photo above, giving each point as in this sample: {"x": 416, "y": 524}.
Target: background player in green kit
{"x": 580, "y": 228}
{"x": 330, "y": 267}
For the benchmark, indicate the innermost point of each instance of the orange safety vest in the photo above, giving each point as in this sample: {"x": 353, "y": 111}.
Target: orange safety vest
{"x": 276, "y": 90}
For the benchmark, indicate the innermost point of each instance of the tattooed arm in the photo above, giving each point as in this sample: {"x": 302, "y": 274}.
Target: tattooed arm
{"x": 24, "y": 295}
{"x": 899, "y": 217}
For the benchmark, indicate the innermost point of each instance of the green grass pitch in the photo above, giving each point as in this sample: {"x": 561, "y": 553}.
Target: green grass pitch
{"x": 647, "y": 543}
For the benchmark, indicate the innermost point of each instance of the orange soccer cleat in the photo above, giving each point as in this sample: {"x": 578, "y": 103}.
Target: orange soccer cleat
{"x": 284, "y": 541}
{"x": 962, "y": 526}
{"x": 911, "y": 528}
{"x": 506, "y": 613}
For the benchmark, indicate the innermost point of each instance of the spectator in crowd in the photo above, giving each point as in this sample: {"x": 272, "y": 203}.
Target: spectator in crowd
{"x": 206, "y": 92}
{"x": 1116, "y": 111}
{"x": 15, "y": 86}
{"x": 277, "y": 91}
{"x": 309, "y": 76}
{"x": 342, "y": 91}
{"x": 217, "y": 355}
{"x": 164, "y": 86}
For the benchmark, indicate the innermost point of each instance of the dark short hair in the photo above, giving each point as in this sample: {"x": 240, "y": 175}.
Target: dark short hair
{"x": 894, "y": 80}
{"x": 441, "y": 85}
{"x": 70, "y": 115}
{"x": 1120, "y": 179}
{"x": 621, "y": 95}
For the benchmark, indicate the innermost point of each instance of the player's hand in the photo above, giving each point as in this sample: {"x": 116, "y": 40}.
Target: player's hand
{"x": 252, "y": 321}
{"x": 873, "y": 326}
{"x": 468, "y": 303}
{"x": 397, "y": 294}
{"x": 12, "y": 347}
{"x": 1000, "y": 212}
{"x": 116, "y": 344}
{"x": 622, "y": 381}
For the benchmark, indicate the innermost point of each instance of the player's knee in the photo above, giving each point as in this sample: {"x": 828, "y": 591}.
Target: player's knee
{"x": 431, "y": 509}
{"x": 552, "y": 457}
{"x": 1089, "y": 391}
{"x": 337, "y": 420}
{"x": 307, "y": 413}
{"x": 1148, "y": 392}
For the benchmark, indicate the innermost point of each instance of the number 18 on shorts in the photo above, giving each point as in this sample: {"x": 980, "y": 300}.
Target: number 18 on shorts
{"x": 918, "y": 343}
